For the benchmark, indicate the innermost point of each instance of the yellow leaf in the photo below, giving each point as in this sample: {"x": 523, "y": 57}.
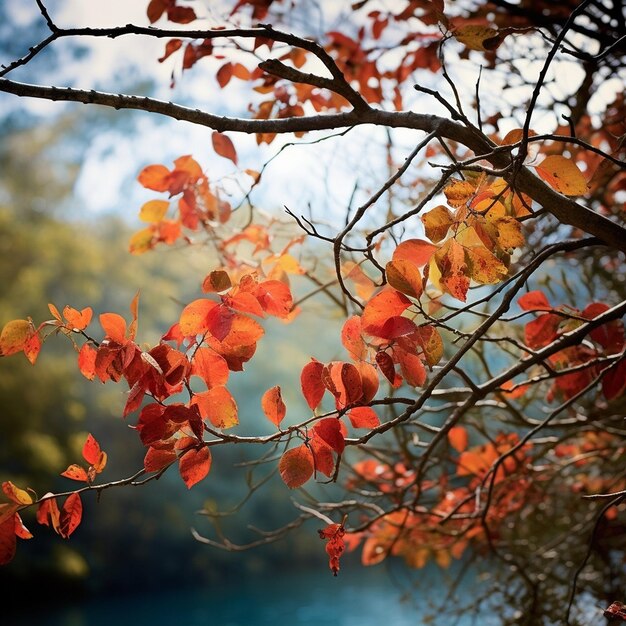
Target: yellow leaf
{"x": 14, "y": 336}
{"x": 475, "y": 37}
{"x": 484, "y": 267}
{"x": 562, "y": 175}
{"x": 141, "y": 241}
{"x": 153, "y": 211}
{"x": 437, "y": 222}
{"x": 509, "y": 233}
{"x": 458, "y": 192}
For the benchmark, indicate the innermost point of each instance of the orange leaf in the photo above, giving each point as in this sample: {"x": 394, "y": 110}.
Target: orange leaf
{"x": 335, "y": 546}
{"x": 71, "y": 515}
{"x": 78, "y": 320}
{"x": 369, "y": 380}
{"x": 387, "y": 303}
{"x": 32, "y": 348}
{"x": 344, "y": 382}
{"x": 194, "y": 318}
{"x": 457, "y": 436}
{"x": 76, "y": 472}
{"x": 273, "y": 405}
{"x": 194, "y": 465}
{"x": 459, "y": 192}
{"x": 311, "y": 383}
{"x": 223, "y": 145}
{"x": 15, "y": 494}
{"x": 155, "y": 177}
{"x": 405, "y": 277}
{"x": 296, "y": 466}
{"x": 87, "y": 361}
{"x": 363, "y": 417}
{"x": 562, "y": 175}
{"x": 218, "y": 406}
{"x": 244, "y": 331}
{"x": 20, "y": 530}
{"x": 210, "y": 366}
{"x": 352, "y": 339}
{"x": 417, "y": 251}
{"x": 476, "y": 37}
{"x": 430, "y": 341}
{"x": 114, "y": 326}
{"x": 450, "y": 260}
{"x": 412, "y": 367}
{"x": 483, "y": 266}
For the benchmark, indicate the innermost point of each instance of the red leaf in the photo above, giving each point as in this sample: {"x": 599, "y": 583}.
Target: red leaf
{"x": 343, "y": 381}
{"x": 322, "y": 456}
{"x": 158, "y": 458}
{"x": 369, "y": 380}
{"x": 541, "y": 331}
{"x": 20, "y": 530}
{"x": 534, "y": 301}
{"x": 71, "y": 515}
{"x": 156, "y": 8}
{"x": 614, "y": 381}
{"x": 335, "y": 546}
{"x": 275, "y": 298}
{"x": 329, "y": 430}
{"x": 224, "y": 74}
{"x": 48, "y": 513}
{"x": 273, "y": 405}
{"x": 194, "y": 465}
{"x": 91, "y": 450}
{"x": 7, "y": 540}
{"x": 363, "y": 417}
{"x": 311, "y": 383}
{"x": 181, "y": 15}
{"x": 296, "y": 466}
{"x": 386, "y": 365}
{"x": 223, "y": 145}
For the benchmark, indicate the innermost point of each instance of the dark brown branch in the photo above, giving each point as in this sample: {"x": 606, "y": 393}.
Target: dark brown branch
{"x": 563, "y": 208}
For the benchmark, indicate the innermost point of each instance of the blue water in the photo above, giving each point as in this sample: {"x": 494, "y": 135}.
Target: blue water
{"x": 353, "y": 599}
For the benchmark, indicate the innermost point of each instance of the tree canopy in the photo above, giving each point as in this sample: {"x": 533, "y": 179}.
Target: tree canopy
{"x": 468, "y": 227}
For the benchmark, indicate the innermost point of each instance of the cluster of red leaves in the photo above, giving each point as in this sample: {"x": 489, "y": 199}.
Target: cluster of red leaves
{"x": 64, "y": 521}
{"x": 335, "y": 545}
{"x": 608, "y": 341}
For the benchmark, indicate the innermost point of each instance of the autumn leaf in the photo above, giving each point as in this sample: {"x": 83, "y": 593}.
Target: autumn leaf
{"x": 457, "y": 436}
{"x": 476, "y": 37}
{"x": 15, "y": 494}
{"x": 311, "y": 383}
{"x": 387, "y": 303}
{"x": 194, "y": 465}
{"x": 153, "y": 211}
{"x": 210, "y": 366}
{"x": 76, "y": 472}
{"x": 14, "y": 336}
{"x": 194, "y": 318}
{"x": 87, "y": 361}
{"x": 363, "y": 417}
{"x": 223, "y": 145}
{"x": 7, "y": 540}
{"x": 218, "y": 406}
{"x": 70, "y": 515}
{"x": 416, "y": 251}
{"x": 329, "y": 430}
{"x": 335, "y": 544}
{"x": 114, "y": 326}
{"x": 405, "y": 277}
{"x": 77, "y": 320}
{"x": 155, "y": 177}
{"x": 216, "y": 282}
{"x": 563, "y": 175}
{"x": 352, "y": 339}
{"x": 534, "y": 301}
{"x": 273, "y": 405}
{"x": 296, "y": 466}
{"x": 450, "y": 260}
{"x": 437, "y": 223}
